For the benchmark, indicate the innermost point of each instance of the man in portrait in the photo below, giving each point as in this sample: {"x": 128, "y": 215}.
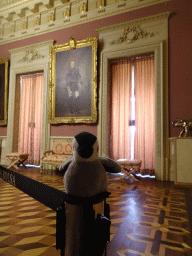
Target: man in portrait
{"x": 73, "y": 81}
{"x": 73, "y": 95}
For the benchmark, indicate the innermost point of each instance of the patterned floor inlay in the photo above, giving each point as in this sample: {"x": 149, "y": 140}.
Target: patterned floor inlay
{"x": 147, "y": 218}
{"x": 155, "y": 222}
{"x": 27, "y": 227}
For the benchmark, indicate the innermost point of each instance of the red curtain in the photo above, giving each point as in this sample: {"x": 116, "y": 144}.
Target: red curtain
{"x": 30, "y": 118}
{"x": 144, "y": 81}
{"x": 145, "y": 112}
{"x": 121, "y": 91}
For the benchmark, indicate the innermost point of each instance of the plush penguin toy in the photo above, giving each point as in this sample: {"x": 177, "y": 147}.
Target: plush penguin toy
{"x": 85, "y": 173}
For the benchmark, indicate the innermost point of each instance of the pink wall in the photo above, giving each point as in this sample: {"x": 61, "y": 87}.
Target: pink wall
{"x": 72, "y": 129}
{"x": 180, "y": 55}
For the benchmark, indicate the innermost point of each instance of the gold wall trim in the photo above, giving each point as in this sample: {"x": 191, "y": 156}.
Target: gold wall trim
{"x": 73, "y": 108}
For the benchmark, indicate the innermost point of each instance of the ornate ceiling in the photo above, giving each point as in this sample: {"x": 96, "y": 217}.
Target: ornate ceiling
{"x": 25, "y": 18}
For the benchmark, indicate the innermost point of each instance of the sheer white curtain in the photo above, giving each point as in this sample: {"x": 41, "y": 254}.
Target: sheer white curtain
{"x": 30, "y": 118}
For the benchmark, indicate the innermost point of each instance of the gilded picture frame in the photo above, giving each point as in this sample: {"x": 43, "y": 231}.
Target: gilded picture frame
{"x": 4, "y": 65}
{"x": 73, "y": 82}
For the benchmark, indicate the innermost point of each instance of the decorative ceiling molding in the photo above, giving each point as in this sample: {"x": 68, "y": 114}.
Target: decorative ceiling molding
{"x": 21, "y": 19}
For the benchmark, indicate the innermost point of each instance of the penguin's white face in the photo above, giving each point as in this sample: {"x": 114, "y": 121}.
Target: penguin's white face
{"x": 76, "y": 155}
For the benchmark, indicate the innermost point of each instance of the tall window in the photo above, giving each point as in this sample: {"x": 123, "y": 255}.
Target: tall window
{"x": 30, "y": 116}
{"x": 133, "y": 110}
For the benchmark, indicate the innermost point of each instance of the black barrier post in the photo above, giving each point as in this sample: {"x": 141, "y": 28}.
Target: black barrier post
{"x": 60, "y": 228}
{"x": 92, "y": 226}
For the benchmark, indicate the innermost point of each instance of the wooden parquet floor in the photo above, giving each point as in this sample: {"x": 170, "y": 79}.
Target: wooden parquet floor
{"x": 147, "y": 218}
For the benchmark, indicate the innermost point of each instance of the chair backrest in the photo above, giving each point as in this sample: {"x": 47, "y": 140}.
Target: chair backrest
{"x": 62, "y": 147}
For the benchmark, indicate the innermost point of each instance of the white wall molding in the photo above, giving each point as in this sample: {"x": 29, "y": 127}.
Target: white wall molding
{"x": 157, "y": 26}
{"x": 30, "y": 64}
{"x": 3, "y": 143}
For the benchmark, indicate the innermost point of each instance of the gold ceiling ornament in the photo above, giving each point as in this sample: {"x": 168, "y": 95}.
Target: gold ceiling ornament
{"x": 11, "y": 29}
{"x": 24, "y": 25}
{"x": 101, "y": 3}
{"x": 51, "y": 17}
{"x": 72, "y": 43}
{"x": 83, "y": 8}
{"x": 66, "y": 13}
{"x": 132, "y": 34}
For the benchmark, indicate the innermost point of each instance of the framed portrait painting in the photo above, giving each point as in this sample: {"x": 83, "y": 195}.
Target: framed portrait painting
{"x": 73, "y": 82}
{"x": 3, "y": 90}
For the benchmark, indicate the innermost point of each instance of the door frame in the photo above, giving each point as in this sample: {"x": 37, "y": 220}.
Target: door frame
{"x": 112, "y": 47}
{"x": 25, "y": 60}
{"x": 103, "y": 132}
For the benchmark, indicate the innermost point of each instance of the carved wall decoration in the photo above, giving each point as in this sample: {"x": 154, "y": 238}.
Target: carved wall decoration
{"x": 31, "y": 55}
{"x": 131, "y": 34}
